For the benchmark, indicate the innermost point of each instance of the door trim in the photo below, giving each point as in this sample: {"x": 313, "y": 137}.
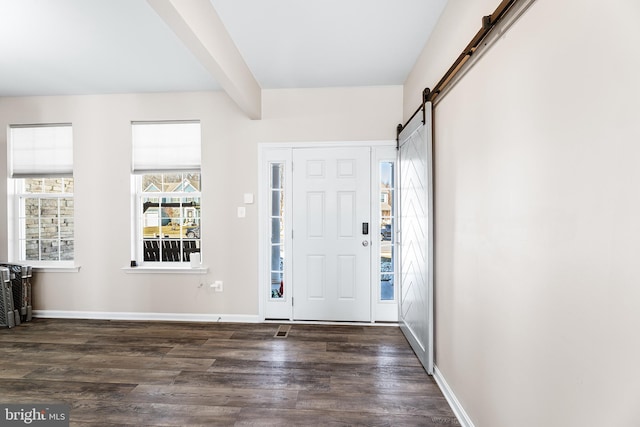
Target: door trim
{"x": 269, "y": 152}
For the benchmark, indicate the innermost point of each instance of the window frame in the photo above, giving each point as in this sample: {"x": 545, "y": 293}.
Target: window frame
{"x": 17, "y": 195}
{"x": 142, "y": 165}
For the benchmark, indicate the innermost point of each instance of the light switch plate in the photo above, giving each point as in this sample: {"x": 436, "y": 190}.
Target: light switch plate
{"x": 242, "y": 212}
{"x": 248, "y": 198}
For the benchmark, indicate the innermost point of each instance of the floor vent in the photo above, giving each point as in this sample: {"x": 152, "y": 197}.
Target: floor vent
{"x": 283, "y": 331}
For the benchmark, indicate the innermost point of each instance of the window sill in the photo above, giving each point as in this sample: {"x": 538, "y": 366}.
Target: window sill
{"x": 54, "y": 269}
{"x": 165, "y": 270}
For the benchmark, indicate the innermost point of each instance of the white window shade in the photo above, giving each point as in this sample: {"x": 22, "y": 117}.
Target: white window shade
{"x": 41, "y": 150}
{"x": 166, "y": 146}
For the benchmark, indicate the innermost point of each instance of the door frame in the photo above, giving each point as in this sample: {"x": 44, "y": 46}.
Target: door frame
{"x": 268, "y": 153}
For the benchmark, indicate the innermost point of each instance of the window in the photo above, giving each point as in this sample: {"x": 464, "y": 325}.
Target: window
{"x": 387, "y": 232}
{"x": 41, "y": 204}
{"x": 166, "y": 177}
{"x": 276, "y": 219}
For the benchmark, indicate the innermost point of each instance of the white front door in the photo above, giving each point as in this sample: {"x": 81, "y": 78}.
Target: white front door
{"x": 331, "y": 245}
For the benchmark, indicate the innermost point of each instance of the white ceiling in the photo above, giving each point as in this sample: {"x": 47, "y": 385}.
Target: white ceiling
{"x": 64, "y": 47}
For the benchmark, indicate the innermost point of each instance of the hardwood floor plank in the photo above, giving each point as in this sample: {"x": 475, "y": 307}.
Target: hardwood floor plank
{"x": 139, "y": 362}
{"x": 126, "y": 413}
{"x": 398, "y": 372}
{"x": 35, "y": 358}
{"x": 20, "y": 335}
{"x": 104, "y": 375}
{"x": 39, "y": 391}
{"x": 374, "y": 403}
{"x": 302, "y": 417}
{"x": 231, "y": 353}
{"x": 267, "y": 344}
{"x": 406, "y": 386}
{"x": 214, "y": 396}
{"x": 127, "y": 340}
{"x": 255, "y": 381}
{"x": 83, "y": 349}
{"x": 374, "y": 349}
{"x": 14, "y": 372}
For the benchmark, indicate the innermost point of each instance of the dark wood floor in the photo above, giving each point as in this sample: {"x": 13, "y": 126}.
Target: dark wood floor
{"x": 209, "y": 374}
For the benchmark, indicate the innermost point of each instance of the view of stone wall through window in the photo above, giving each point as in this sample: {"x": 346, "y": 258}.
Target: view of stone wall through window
{"x": 48, "y": 219}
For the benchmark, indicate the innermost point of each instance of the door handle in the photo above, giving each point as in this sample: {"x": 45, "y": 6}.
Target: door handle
{"x": 365, "y": 243}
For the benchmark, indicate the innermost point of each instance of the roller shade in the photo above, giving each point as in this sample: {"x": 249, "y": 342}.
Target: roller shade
{"x": 41, "y": 150}
{"x": 166, "y": 146}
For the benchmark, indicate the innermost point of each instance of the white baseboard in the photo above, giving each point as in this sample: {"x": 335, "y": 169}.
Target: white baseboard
{"x": 173, "y": 317}
{"x": 453, "y": 401}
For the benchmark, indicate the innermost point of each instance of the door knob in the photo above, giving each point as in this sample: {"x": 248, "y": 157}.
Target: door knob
{"x": 365, "y": 243}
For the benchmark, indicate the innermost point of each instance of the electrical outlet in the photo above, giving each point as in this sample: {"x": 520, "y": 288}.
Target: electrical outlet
{"x": 217, "y": 286}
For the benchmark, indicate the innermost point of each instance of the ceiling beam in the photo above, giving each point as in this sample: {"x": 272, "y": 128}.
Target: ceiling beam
{"x": 198, "y": 25}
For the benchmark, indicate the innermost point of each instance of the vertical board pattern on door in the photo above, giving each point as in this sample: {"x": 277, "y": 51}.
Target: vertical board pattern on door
{"x": 415, "y": 246}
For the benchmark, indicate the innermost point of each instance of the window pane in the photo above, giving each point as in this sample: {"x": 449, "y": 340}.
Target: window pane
{"x": 192, "y": 232}
{"x": 172, "y": 183}
{"x": 189, "y": 247}
{"x": 52, "y": 185}
{"x": 192, "y": 182}
{"x": 32, "y": 250}
{"x": 277, "y": 175}
{"x": 66, "y": 228}
{"x": 49, "y": 207}
{"x": 32, "y": 218}
{"x": 49, "y": 228}
{"x": 277, "y": 271}
{"x": 170, "y": 250}
{"x": 192, "y": 215}
{"x": 68, "y": 185}
{"x": 386, "y": 174}
{"x": 151, "y": 250}
{"x": 31, "y": 228}
{"x": 66, "y": 250}
{"x": 150, "y": 217}
{"x": 33, "y": 185}
{"x": 172, "y": 213}
{"x": 151, "y": 183}
{"x": 387, "y": 288}
{"x": 66, "y": 207}
{"x": 49, "y": 250}
{"x": 387, "y": 270}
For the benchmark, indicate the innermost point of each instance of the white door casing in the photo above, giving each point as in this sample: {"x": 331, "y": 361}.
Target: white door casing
{"x": 331, "y": 255}
{"x": 416, "y": 231}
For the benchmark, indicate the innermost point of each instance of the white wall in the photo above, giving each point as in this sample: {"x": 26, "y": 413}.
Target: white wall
{"x": 537, "y": 221}
{"x": 102, "y": 158}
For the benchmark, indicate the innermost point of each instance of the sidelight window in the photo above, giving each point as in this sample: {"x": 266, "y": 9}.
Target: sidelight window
{"x": 387, "y": 232}
{"x": 276, "y": 217}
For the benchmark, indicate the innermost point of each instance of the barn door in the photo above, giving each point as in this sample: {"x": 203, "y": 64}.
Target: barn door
{"x": 416, "y": 236}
